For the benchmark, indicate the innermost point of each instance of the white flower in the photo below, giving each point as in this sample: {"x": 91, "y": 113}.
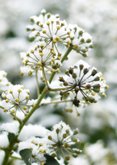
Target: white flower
{"x": 84, "y": 83}
{"x": 49, "y": 28}
{"x": 38, "y": 148}
{"x": 55, "y": 32}
{"x": 39, "y": 57}
{"x": 4, "y": 83}
{"x": 26, "y": 70}
{"x": 80, "y": 40}
{"x": 16, "y": 98}
{"x": 62, "y": 142}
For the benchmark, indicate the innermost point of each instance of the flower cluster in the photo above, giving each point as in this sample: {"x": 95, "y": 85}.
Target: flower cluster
{"x": 38, "y": 58}
{"x": 54, "y": 39}
{"x": 63, "y": 143}
{"x": 80, "y": 40}
{"x": 4, "y": 83}
{"x": 51, "y": 34}
{"x": 85, "y": 83}
{"x": 16, "y": 99}
{"x": 37, "y": 147}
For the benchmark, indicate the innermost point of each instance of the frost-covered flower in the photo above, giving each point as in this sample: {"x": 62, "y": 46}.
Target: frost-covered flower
{"x": 16, "y": 98}
{"x": 39, "y": 57}
{"x": 79, "y": 40}
{"x": 63, "y": 143}
{"x": 55, "y": 32}
{"x": 84, "y": 83}
{"x": 4, "y": 83}
{"x": 49, "y": 28}
{"x": 26, "y": 71}
{"x": 38, "y": 149}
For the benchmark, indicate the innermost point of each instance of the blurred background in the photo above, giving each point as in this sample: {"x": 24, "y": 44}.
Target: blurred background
{"x": 97, "y": 123}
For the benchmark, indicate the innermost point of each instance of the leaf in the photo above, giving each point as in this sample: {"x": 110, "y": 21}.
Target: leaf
{"x": 11, "y": 137}
{"x": 26, "y": 156}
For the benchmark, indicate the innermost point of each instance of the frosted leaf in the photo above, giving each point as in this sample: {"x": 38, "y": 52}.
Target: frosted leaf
{"x": 11, "y": 127}
{"x": 32, "y": 130}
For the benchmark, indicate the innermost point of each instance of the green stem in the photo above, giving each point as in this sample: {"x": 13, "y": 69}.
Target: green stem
{"x": 44, "y": 92}
{"x": 7, "y": 154}
{"x": 56, "y": 102}
{"x": 40, "y": 97}
{"x": 37, "y": 82}
{"x": 62, "y": 60}
{"x": 59, "y": 89}
{"x": 66, "y": 54}
{"x": 45, "y": 78}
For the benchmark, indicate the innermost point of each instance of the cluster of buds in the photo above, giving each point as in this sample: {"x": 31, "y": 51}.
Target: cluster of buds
{"x": 16, "y": 99}
{"x": 63, "y": 143}
{"x": 37, "y": 147}
{"x": 85, "y": 84}
{"x": 51, "y": 35}
{"x": 39, "y": 57}
{"x": 79, "y": 40}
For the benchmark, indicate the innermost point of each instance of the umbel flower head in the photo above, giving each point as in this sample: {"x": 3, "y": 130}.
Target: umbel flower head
{"x": 39, "y": 57}
{"x": 55, "y": 32}
{"x": 15, "y": 99}
{"x": 79, "y": 40}
{"x": 63, "y": 143}
{"x": 37, "y": 147}
{"x": 49, "y": 28}
{"x": 84, "y": 83}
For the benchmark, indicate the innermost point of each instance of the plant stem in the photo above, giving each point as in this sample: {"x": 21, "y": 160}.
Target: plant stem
{"x": 56, "y": 102}
{"x": 45, "y": 78}
{"x": 59, "y": 89}
{"x": 44, "y": 92}
{"x": 37, "y": 82}
{"x": 62, "y": 60}
{"x": 40, "y": 97}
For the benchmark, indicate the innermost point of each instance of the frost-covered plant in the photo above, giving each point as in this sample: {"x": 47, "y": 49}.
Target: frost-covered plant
{"x": 80, "y": 84}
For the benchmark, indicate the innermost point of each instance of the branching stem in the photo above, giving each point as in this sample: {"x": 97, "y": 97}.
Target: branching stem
{"x": 8, "y": 151}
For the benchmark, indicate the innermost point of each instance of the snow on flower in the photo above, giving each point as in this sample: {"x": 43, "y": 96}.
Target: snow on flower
{"x": 38, "y": 148}
{"x": 16, "y": 98}
{"x": 38, "y": 58}
{"x": 4, "y": 83}
{"x": 79, "y": 40}
{"x": 62, "y": 142}
{"x": 84, "y": 82}
{"x": 54, "y": 31}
